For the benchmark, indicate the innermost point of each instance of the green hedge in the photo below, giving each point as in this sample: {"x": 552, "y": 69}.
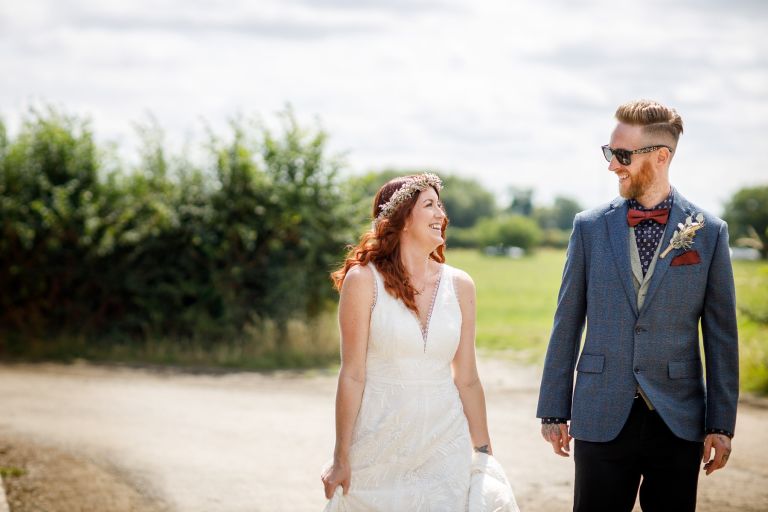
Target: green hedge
{"x": 169, "y": 249}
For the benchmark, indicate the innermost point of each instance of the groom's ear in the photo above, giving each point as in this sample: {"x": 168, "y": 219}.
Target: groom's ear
{"x": 663, "y": 156}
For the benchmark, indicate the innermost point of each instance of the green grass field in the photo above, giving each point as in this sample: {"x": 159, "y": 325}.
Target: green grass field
{"x": 752, "y": 304}
{"x": 516, "y": 304}
{"x": 517, "y": 299}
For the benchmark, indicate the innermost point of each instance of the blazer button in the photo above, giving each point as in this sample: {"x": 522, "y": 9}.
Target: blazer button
{"x": 637, "y": 369}
{"x": 639, "y": 330}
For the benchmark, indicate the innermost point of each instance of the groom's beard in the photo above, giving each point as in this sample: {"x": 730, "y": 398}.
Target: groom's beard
{"x": 638, "y": 183}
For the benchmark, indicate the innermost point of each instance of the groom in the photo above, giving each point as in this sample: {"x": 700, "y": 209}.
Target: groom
{"x": 640, "y": 410}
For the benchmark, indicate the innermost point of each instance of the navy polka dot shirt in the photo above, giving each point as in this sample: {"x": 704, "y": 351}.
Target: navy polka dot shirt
{"x": 648, "y": 232}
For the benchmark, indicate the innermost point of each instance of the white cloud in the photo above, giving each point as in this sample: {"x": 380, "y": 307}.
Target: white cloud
{"x": 514, "y": 92}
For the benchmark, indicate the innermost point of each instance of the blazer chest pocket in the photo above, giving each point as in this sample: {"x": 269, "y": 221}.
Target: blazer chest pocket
{"x": 684, "y": 369}
{"x": 591, "y": 363}
{"x": 686, "y": 263}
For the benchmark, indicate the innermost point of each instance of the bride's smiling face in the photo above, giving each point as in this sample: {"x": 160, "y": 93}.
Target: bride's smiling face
{"x": 425, "y": 222}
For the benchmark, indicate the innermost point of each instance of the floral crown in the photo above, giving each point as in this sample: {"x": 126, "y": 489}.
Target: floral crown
{"x": 410, "y": 186}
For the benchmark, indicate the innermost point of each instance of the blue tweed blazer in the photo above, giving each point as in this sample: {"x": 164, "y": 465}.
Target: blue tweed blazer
{"x": 657, "y": 346}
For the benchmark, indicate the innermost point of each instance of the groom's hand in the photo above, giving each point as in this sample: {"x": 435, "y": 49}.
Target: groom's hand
{"x": 722, "y": 447}
{"x": 557, "y": 435}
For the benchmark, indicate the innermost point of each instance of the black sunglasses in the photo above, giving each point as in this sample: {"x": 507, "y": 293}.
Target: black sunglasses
{"x": 624, "y": 156}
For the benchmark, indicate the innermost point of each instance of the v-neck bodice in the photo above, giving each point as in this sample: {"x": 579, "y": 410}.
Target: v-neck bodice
{"x": 400, "y": 345}
{"x": 424, "y": 326}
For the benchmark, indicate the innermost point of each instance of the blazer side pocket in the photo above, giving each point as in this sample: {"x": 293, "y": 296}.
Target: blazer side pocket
{"x": 591, "y": 363}
{"x": 684, "y": 369}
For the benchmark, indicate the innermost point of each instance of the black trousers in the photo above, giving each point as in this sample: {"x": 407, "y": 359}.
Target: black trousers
{"x": 608, "y": 474}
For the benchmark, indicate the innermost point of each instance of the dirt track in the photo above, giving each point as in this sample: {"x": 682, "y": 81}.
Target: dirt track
{"x": 252, "y": 442}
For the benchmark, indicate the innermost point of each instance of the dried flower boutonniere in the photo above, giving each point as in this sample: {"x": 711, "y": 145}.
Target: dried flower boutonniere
{"x": 683, "y": 237}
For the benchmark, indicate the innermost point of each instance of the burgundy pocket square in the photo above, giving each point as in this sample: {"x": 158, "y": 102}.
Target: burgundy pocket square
{"x": 686, "y": 258}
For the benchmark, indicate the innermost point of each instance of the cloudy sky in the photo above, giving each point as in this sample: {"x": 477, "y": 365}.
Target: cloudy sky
{"x": 513, "y": 92}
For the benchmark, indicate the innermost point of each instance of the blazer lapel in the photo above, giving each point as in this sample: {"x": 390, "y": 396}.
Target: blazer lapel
{"x": 680, "y": 210}
{"x": 618, "y": 232}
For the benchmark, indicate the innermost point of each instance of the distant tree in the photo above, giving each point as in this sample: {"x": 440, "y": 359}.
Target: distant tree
{"x": 566, "y": 209}
{"x": 360, "y": 189}
{"x": 558, "y": 216}
{"x": 508, "y": 231}
{"x": 747, "y": 217}
{"x": 465, "y": 199}
{"x": 522, "y": 201}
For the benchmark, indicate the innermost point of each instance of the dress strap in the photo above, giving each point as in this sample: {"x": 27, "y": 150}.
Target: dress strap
{"x": 450, "y": 278}
{"x": 376, "y": 284}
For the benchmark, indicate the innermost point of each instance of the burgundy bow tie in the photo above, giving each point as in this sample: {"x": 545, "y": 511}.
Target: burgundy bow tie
{"x": 635, "y": 217}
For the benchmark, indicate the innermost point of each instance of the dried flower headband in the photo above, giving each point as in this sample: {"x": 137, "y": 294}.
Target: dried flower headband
{"x": 411, "y": 186}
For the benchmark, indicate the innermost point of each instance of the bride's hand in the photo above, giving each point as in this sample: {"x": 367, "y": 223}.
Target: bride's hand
{"x": 338, "y": 474}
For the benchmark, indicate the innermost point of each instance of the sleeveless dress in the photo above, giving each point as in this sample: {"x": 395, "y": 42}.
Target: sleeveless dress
{"x": 411, "y": 449}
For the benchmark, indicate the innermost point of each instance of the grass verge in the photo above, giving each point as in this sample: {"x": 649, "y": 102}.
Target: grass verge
{"x": 517, "y": 300}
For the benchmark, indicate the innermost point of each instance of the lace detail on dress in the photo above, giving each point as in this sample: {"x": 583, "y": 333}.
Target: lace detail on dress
{"x": 425, "y": 327}
{"x": 375, "y": 287}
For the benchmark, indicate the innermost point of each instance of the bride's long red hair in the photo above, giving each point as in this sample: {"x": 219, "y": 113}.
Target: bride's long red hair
{"x": 381, "y": 245}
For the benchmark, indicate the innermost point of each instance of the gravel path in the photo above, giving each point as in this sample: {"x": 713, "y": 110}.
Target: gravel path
{"x": 237, "y": 442}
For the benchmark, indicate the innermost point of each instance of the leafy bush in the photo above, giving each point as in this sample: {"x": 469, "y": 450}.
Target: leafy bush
{"x": 462, "y": 237}
{"x": 465, "y": 199}
{"x": 169, "y": 250}
{"x": 509, "y": 231}
{"x": 554, "y": 237}
{"x": 747, "y": 216}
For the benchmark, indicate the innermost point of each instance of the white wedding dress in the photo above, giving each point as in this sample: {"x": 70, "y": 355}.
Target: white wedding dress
{"x": 411, "y": 449}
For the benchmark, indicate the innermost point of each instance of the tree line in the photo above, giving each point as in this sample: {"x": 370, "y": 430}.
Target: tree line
{"x": 170, "y": 249}
{"x": 476, "y": 218}
{"x": 96, "y": 252}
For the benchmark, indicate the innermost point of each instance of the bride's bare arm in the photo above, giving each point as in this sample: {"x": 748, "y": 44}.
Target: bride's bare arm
{"x": 357, "y": 295}
{"x": 464, "y": 366}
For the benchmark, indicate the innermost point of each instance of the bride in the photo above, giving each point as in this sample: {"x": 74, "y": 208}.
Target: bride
{"x": 410, "y": 408}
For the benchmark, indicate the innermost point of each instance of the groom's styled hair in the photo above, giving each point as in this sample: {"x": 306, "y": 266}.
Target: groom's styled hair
{"x": 655, "y": 118}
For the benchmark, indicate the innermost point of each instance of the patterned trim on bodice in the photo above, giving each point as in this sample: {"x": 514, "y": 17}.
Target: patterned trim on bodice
{"x": 375, "y": 287}
{"x": 424, "y": 328}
